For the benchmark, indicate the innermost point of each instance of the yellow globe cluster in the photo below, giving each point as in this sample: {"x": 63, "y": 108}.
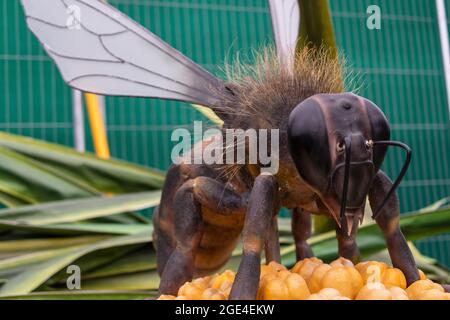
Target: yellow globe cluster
{"x": 312, "y": 279}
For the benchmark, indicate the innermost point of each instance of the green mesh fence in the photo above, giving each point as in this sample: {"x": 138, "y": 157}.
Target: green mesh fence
{"x": 401, "y": 64}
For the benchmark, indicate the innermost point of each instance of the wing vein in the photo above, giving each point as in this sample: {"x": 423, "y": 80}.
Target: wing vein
{"x": 160, "y": 45}
{"x": 109, "y": 52}
{"x": 126, "y": 79}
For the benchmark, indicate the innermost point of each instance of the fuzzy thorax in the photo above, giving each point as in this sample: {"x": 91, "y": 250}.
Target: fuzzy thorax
{"x": 265, "y": 92}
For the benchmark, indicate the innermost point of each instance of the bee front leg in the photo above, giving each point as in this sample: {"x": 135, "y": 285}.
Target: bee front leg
{"x": 347, "y": 246}
{"x": 388, "y": 221}
{"x": 260, "y": 212}
{"x": 188, "y": 226}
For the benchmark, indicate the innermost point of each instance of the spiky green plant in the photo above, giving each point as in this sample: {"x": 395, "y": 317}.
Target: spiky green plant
{"x": 98, "y": 228}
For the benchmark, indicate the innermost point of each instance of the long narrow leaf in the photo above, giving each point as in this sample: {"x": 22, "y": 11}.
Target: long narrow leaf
{"x": 31, "y": 258}
{"x": 84, "y": 295}
{"x": 39, "y": 250}
{"x": 35, "y": 276}
{"x": 143, "y": 260}
{"x": 112, "y": 176}
{"x": 11, "y": 201}
{"x": 82, "y": 209}
{"x": 148, "y": 280}
{"x": 77, "y": 228}
{"x": 25, "y": 179}
{"x": 94, "y": 260}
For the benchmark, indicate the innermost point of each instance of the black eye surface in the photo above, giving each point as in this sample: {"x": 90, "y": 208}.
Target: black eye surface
{"x": 308, "y": 143}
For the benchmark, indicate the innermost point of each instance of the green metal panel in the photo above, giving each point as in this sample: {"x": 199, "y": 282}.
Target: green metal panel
{"x": 401, "y": 63}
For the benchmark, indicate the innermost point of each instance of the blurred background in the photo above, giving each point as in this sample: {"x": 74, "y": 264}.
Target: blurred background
{"x": 401, "y": 67}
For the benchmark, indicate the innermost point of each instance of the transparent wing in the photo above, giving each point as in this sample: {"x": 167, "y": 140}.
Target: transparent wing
{"x": 285, "y": 16}
{"x": 100, "y": 50}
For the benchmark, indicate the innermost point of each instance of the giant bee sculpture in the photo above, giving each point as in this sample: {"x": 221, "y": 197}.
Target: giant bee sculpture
{"x": 332, "y": 144}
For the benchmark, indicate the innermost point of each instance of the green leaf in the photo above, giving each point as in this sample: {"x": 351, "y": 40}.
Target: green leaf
{"x": 85, "y": 295}
{"x": 24, "y": 179}
{"x": 142, "y": 260}
{"x": 30, "y": 258}
{"x": 81, "y": 209}
{"x": 316, "y": 26}
{"x": 284, "y": 226}
{"x": 69, "y": 176}
{"x": 437, "y": 205}
{"x": 35, "y": 250}
{"x": 36, "y": 275}
{"x": 77, "y": 228}
{"x": 108, "y": 176}
{"x": 208, "y": 113}
{"x": 94, "y": 260}
{"x": 148, "y": 280}
{"x": 10, "y": 200}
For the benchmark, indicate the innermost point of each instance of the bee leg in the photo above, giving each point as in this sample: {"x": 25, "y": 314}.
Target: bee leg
{"x": 188, "y": 226}
{"x": 219, "y": 197}
{"x": 272, "y": 245}
{"x": 261, "y": 209}
{"x": 301, "y": 228}
{"x": 347, "y": 246}
{"x": 388, "y": 221}
{"x": 163, "y": 240}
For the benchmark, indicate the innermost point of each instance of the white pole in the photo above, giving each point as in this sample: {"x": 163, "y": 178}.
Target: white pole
{"x": 78, "y": 117}
{"x": 101, "y": 99}
{"x": 78, "y": 120}
{"x": 101, "y": 102}
{"x": 445, "y": 47}
{"x": 285, "y": 16}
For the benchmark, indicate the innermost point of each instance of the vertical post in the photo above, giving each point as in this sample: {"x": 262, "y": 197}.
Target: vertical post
{"x": 285, "y": 17}
{"x": 101, "y": 102}
{"x": 316, "y": 26}
{"x": 78, "y": 121}
{"x": 97, "y": 125}
{"x": 445, "y": 47}
{"x": 95, "y": 105}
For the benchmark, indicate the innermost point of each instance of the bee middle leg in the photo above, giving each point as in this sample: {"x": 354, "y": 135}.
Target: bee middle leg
{"x": 188, "y": 226}
{"x": 301, "y": 228}
{"x": 272, "y": 245}
{"x": 262, "y": 207}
